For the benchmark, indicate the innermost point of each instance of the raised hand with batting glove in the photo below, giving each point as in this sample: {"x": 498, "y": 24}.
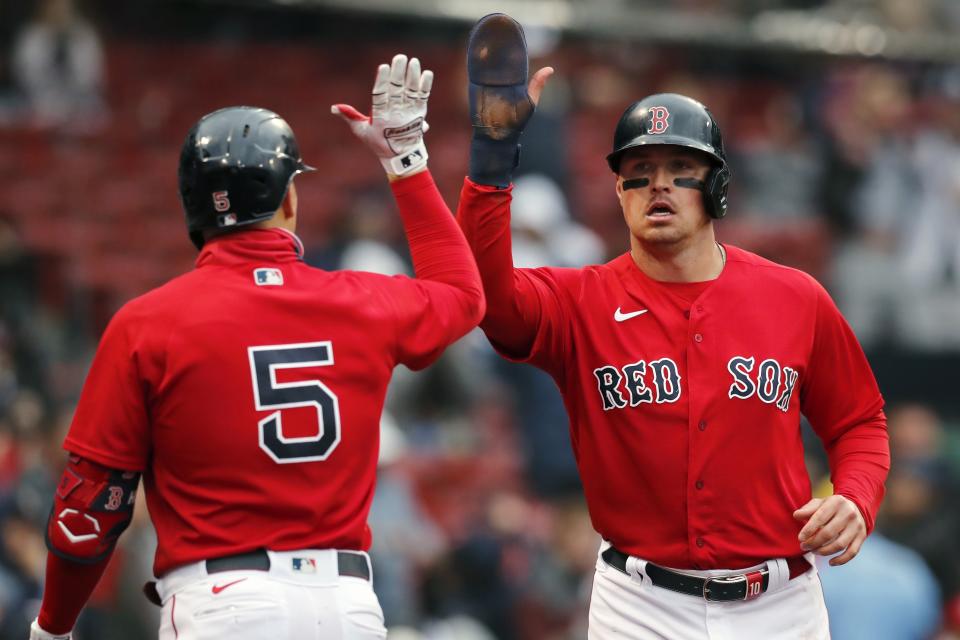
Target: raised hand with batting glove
{"x": 396, "y": 124}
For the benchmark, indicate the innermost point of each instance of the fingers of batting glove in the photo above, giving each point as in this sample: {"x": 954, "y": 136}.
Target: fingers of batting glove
{"x": 411, "y": 84}
{"x": 395, "y": 128}
{"x": 379, "y": 95}
{"x": 359, "y": 123}
{"x": 426, "y": 84}
{"x": 398, "y": 70}
{"x": 348, "y": 113}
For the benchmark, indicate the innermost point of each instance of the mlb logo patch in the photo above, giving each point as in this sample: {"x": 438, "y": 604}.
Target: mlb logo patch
{"x": 407, "y": 161}
{"x": 304, "y": 565}
{"x": 227, "y": 220}
{"x": 268, "y": 277}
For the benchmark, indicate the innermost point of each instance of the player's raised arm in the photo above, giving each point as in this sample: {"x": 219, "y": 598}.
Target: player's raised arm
{"x": 501, "y": 104}
{"x": 448, "y": 300}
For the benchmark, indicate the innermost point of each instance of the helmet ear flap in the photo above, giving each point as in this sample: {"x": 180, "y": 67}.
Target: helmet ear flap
{"x": 715, "y": 191}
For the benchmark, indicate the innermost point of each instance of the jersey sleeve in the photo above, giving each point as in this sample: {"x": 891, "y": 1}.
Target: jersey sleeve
{"x": 525, "y": 318}
{"x": 446, "y": 299}
{"x": 841, "y": 399}
{"x": 110, "y": 425}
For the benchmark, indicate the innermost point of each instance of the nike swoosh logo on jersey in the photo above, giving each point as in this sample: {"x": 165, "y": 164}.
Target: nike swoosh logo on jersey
{"x": 620, "y": 316}
{"x": 218, "y": 588}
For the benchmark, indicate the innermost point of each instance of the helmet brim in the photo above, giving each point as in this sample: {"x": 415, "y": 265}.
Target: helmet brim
{"x": 613, "y": 159}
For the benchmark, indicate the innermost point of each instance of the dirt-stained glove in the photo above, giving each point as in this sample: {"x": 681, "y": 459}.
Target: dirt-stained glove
{"x": 500, "y": 106}
{"x": 395, "y": 127}
{"x": 37, "y": 633}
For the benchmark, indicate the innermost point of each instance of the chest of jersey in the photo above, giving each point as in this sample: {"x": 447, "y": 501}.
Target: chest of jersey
{"x": 645, "y": 348}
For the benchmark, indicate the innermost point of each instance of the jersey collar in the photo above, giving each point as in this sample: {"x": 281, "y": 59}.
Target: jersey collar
{"x": 637, "y": 283}
{"x": 270, "y": 245}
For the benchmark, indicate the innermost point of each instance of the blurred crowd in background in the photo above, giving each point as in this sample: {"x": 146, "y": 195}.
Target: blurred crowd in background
{"x": 845, "y": 166}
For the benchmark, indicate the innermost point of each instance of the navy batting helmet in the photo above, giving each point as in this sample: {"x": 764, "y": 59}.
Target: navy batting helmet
{"x": 669, "y": 118}
{"x": 235, "y": 168}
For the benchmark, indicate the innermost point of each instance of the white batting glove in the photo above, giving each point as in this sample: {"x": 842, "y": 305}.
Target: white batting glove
{"x": 36, "y": 633}
{"x": 395, "y": 127}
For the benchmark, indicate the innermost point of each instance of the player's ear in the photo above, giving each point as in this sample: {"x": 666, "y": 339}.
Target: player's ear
{"x": 619, "y": 189}
{"x": 289, "y": 204}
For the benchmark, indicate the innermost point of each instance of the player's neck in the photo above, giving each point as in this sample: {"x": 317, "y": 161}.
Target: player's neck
{"x": 699, "y": 260}
{"x": 278, "y": 221}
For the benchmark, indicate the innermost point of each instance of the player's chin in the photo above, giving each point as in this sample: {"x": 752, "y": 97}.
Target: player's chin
{"x": 661, "y": 234}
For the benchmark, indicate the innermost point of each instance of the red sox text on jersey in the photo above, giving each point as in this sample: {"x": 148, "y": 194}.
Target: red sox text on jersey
{"x": 632, "y": 385}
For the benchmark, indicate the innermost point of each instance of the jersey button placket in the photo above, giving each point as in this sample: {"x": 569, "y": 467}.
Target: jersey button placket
{"x": 697, "y": 311}
{"x": 696, "y": 327}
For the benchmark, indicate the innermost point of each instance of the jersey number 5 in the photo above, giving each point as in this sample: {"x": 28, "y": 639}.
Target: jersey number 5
{"x": 270, "y": 394}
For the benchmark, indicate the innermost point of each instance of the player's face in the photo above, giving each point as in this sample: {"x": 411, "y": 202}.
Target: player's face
{"x": 662, "y": 213}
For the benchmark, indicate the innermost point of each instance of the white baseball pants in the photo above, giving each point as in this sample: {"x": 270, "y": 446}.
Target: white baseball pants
{"x": 629, "y": 607}
{"x": 301, "y": 597}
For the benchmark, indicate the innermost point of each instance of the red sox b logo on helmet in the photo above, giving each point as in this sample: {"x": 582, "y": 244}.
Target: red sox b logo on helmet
{"x": 659, "y": 119}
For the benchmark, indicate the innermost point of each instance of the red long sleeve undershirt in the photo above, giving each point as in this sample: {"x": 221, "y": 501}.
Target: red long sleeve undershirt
{"x": 859, "y": 461}
{"x": 437, "y": 247}
{"x": 484, "y": 216}
{"x": 67, "y": 588}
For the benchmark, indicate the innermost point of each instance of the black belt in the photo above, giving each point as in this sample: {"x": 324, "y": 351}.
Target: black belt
{"x": 348, "y": 563}
{"x": 723, "y": 589}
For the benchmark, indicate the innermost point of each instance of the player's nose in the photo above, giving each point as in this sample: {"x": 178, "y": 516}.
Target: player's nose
{"x": 660, "y": 180}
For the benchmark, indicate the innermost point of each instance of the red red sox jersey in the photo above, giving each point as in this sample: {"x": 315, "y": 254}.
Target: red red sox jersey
{"x": 685, "y": 399}
{"x": 249, "y": 391}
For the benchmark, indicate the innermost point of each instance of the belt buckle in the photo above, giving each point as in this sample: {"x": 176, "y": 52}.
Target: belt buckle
{"x": 725, "y": 580}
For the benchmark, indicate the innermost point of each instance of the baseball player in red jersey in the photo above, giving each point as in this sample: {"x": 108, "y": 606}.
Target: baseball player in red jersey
{"x": 684, "y": 367}
{"x": 248, "y": 391}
